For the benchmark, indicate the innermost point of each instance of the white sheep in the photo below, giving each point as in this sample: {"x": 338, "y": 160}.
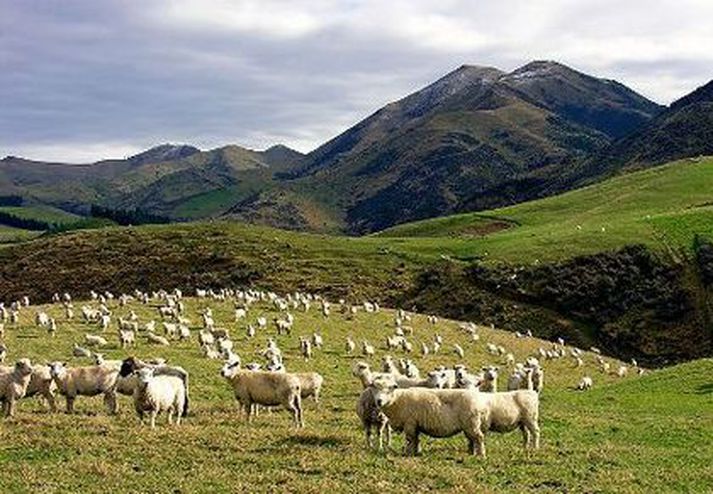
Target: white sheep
{"x": 367, "y": 349}
{"x": 13, "y": 385}
{"x": 95, "y": 340}
{"x": 585, "y": 384}
{"x": 458, "y": 350}
{"x": 266, "y": 389}
{"x": 78, "y": 351}
{"x": 159, "y": 393}
{"x": 446, "y": 412}
{"x": 85, "y": 381}
{"x": 155, "y": 339}
{"x": 349, "y": 346}
{"x": 305, "y": 348}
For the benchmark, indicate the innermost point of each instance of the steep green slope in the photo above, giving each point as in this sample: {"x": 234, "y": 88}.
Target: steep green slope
{"x": 662, "y": 207}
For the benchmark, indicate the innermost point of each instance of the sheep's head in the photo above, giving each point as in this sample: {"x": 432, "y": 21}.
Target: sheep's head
{"x": 145, "y": 374}
{"x": 128, "y": 365}
{"x": 230, "y": 368}
{"x": 98, "y": 358}
{"x": 24, "y": 366}
{"x": 360, "y": 368}
{"x": 57, "y": 369}
{"x": 384, "y": 387}
{"x": 437, "y": 379}
{"x": 253, "y": 366}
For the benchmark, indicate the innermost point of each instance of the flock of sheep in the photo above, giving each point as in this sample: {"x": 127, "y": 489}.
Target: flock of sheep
{"x": 442, "y": 402}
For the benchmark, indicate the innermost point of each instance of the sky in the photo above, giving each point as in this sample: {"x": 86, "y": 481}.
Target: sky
{"x": 84, "y": 80}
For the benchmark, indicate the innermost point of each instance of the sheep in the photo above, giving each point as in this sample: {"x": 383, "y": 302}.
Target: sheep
{"x": 41, "y": 383}
{"x": 458, "y": 350}
{"x": 424, "y": 350}
{"x": 127, "y": 337}
{"x": 466, "y": 380}
{"x": 13, "y": 385}
{"x": 622, "y": 371}
{"x": 317, "y": 340}
{"x": 78, "y": 351}
{"x": 585, "y": 384}
{"x": 94, "y": 340}
{"x": 410, "y": 369}
{"x": 205, "y": 338}
{"x": 434, "y": 379}
{"x": 267, "y": 389}
{"x": 372, "y": 418}
{"x": 490, "y": 380}
{"x": 250, "y": 331}
{"x": 305, "y": 348}
{"x": 367, "y": 350}
{"x": 538, "y": 378}
{"x": 158, "y": 393}
{"x": 85, "y": 381}
{"x": 155, "y": 339}
{"x": 310, "y": 385}
{"x": 3, "y": 352}
{"x": 210, "y": 352}
{"x": 128, "y": 378}
{"x": 445, "y": 413}
{"x": 349, "y": 346}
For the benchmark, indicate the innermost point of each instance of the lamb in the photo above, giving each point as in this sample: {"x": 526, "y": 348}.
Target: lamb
{"x": 13, "y": 385}
{"x": 94, "y": 340}
{"x": 158, "y": 393}
{"x": 585, "y": 384}
{"x": 445, "y": 413}
{"x": 267, "y": 389}
{"x": 85, "y": 381}
{"x": 128, "y": 379}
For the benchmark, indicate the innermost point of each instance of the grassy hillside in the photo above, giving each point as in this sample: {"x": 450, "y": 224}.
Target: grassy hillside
{"x": 637, "y": 434}
{"x": 9, "y": 234}
{"x": 662, "y": 208}
{"x": 45, "y": 214}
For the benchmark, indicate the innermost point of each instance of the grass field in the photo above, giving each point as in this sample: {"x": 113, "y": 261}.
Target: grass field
{"x": 662, "y": 207}
{"x": 46, "y": 214}
{"x": 9, "y": 234}
{"x": 638, "y": 434}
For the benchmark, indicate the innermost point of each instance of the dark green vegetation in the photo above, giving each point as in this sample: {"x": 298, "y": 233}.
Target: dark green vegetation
{"x": 638, "y": 434}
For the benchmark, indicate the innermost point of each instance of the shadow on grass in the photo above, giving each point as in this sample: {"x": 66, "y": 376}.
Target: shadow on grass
{"x": 309, "y": 440}
{"x": 704, "y": 389}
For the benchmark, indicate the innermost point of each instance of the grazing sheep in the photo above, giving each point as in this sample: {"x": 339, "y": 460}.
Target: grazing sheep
{"x": 85, "y": 381}
{"x": 13, "y": 385}
{"x": 445, "y": 413}
{"x": 94, "y": 340}
{"x": 155, "y": 339}
{"x": 367, "y": 350}
{"x": 585, "y": 384}
{"x": 349, "y": 346}
{"x": 78, "y": 351}
{"x": 266, "y": 389}
{"x": 159, "y": 393}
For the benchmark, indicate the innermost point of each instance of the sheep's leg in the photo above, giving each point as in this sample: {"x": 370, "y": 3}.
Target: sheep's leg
{"x": 411, "y": 434}
{"x": 10, "y": 406}
{"x": 154, "y": 413}
{"x": 367, "y": 433}
{"x": 534, "y": 430}
{"x": 526, "y": 439}
{"x": 70, "y": 404}
{"x": 51, "y": 402}
{"x": 110, "y": 402}
{"x": 169, "y": 415}
{"x": 178, "y": 414}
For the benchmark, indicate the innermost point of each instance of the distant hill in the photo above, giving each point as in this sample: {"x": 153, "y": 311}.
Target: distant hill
{"x": 476, "y": 138}
{"x": 160, "y": 179}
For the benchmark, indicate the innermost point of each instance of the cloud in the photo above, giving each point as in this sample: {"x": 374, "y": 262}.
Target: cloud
{"x": 84, "y": 79}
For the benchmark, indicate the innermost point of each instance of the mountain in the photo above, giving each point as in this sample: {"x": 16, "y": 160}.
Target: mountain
{"x": 477, "y": 138}
{"x": 684, "y": 129}
{"x": 161, "y": 179}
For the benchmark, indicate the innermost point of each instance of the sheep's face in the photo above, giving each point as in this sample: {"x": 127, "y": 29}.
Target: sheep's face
{"x": 437, "y": 380}
{"x": 24, "y": 366}
{"x": 57, "y": 369}
{"x": 360, "y": 368}
{"x": 384, "y": 391}
{"x": 253, "y": 366}
{"x": 98, "y": 358}
{"x": 229, "y": 369}
{"x": 144, "y": 375}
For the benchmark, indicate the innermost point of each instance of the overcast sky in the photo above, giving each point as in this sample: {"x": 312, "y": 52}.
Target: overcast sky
{"x": 83, "y": 80}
